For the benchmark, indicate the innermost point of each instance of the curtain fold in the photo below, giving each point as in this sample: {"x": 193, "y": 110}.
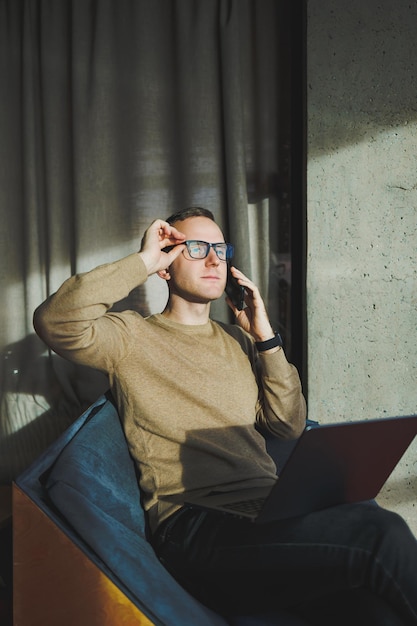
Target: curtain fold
{"x": 113, "y": 113}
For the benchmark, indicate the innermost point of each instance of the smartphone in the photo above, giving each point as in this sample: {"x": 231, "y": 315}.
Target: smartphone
{"x": 235, "y": 291}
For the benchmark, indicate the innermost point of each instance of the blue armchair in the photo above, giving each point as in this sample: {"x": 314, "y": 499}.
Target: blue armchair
{"x": 81, "y": 554}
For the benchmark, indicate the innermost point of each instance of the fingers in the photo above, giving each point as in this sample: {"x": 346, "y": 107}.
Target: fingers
{"x": 170, "y": 236}
{"x": 243, "y": 280}
{"x": 172, "y": 254}
{"x": 254, "y": 317}
{"x": 158, "y": 236}
{"x": 167, "y": 234}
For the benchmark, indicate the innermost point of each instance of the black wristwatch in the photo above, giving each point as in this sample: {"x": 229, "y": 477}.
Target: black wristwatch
{"x": 274, "y": 342}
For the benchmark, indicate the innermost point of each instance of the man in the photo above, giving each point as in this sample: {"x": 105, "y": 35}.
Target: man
{"x": 190, "y": 391}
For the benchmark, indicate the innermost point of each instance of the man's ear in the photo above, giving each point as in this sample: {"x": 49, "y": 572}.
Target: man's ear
{"x": 164, "y": 274}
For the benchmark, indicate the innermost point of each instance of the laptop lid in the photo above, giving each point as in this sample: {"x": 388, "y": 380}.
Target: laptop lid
{"x": 331, "y": 464}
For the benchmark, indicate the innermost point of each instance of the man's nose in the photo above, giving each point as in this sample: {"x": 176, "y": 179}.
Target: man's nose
{"x": 212, "y": 258}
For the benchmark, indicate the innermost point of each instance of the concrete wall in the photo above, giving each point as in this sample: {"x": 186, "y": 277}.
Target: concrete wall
{"x": 362, "y": 219}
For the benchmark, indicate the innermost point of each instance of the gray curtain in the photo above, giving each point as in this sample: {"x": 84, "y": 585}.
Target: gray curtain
{"x": 113, "y": 113}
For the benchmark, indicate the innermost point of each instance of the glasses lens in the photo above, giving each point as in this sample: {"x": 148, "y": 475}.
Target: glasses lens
{"x": 197, "y": 249}
{"x": 221, "y": 250}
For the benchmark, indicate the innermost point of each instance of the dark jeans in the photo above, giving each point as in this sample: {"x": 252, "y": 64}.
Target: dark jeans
{"x": 348, "y": 564}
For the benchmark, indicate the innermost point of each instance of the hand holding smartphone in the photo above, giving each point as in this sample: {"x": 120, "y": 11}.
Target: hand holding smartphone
{"x": 235, "y": 292}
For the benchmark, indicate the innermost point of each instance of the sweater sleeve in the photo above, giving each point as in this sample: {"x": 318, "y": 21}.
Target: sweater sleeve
{"x": 282, "y": 407}
{"x": 75, "y": 321}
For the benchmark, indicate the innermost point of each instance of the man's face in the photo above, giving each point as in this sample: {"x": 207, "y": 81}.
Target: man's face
{"x": 198, "y": 280}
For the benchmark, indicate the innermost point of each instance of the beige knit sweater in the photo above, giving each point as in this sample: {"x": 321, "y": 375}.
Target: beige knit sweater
{"x": 189, "y": 396}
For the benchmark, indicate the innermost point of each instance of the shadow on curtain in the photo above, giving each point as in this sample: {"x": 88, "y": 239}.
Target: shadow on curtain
{"x": 115, "y": 112}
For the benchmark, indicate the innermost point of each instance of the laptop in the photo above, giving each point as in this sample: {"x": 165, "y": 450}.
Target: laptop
{"x": 331, "y": 464}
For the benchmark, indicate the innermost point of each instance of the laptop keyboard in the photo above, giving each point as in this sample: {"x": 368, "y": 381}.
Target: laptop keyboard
{"x": 245, "y": 506}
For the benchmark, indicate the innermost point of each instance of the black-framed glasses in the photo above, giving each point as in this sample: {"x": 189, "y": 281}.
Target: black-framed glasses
{"x": 200, "y": 249}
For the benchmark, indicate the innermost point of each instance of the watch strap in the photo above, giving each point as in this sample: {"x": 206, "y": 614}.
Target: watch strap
{"x": 274, "y": 342}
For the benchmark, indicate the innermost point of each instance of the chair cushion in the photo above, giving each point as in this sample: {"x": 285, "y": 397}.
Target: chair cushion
{"x": 93, "y": 485}
{"x": 96, "y": 462}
